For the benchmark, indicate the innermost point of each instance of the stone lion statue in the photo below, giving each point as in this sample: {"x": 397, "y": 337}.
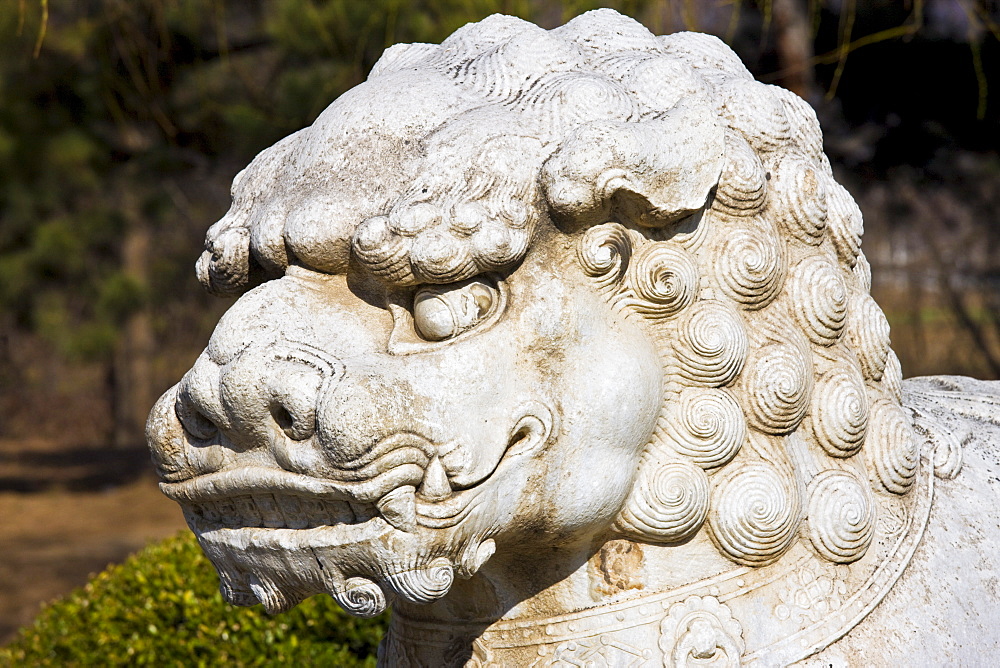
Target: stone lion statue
{"x": 561, "y": 343}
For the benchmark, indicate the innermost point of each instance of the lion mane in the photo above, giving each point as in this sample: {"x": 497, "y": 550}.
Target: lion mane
{"x": 739, "y": 255}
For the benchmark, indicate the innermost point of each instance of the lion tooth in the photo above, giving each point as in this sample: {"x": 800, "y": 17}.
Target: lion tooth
{"x": 359, "y": 512}
{"x": 210, "y": 512}
{"x": 248, "y": 508}
{"x": 435, "y": 486}
{"x": 295, "y": 516}
{"x": 271, "y": 516}
{"x": 338, "y": 512}
{"x": 227, "y": 511}
{"x": 315, "y": 509}
{"x": 399, "y": 508}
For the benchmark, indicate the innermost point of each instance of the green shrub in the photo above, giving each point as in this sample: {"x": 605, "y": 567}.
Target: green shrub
{"x": 162, "y": 606}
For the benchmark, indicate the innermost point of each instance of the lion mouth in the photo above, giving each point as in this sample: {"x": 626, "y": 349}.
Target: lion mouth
{"x": 277, "y": 511}
{"x": 254, "y": 521}
{"x": 264, "y": 497}
{"x": 268, "y": 498}
{"x": 411, "y": 492}
{"x": 276, "y": 536}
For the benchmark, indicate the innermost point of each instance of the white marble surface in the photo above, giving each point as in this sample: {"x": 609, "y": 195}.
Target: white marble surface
{"x": 560, "y": 342}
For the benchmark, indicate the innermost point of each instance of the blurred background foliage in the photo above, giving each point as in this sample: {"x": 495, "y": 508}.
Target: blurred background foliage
{"x": 162, "y": 607}
{"x": 122, "y": 123}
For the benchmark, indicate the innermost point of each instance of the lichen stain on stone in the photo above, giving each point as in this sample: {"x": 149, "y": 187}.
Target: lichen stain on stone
{"x": 616, "y": 567}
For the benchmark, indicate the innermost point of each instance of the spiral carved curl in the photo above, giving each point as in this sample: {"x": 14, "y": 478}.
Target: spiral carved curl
{"x": 845, "y": 224}
{"x": 361, "y": 597}
{"x": 869, "y": 331}
{"x": 439, "y": 256}
{"x": 569, "y": 99}
{"x": 805, "y": 126}
{"x": 863, "y": 273}
{"x": 707, "y": 427}
{"x": 742, "y": 185}
{"x": 386, "y": 254}
{"x": 800, "y": 198}
{"x": 892, "y": 378}
{"x": 702, "y": 52}
{"x": 494, "y": 72}
{"x": 753, "y": 110}
{"x": 839, "y": 412}
{"x": 711, "y": 346}
{"x": 841, "y": 516}
{"x": 751, "y": 264}
{"x": 754, "y": 515}
{"x": 604, "y": 253}
{"x": 893, "y": 451}
{"x": 664, "y": 278}
{"x": 778, "y": 388}
{"x": 423, "y": 585}
{"x": 669, "y": 504}
{"x": 820, "y": 297}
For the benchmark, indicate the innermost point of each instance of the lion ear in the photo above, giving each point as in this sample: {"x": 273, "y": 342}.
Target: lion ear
{"x": 651, "y": 172}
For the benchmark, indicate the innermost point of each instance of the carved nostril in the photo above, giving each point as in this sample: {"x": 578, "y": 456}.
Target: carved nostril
{"x": 294, "y": 387}
{"x": 282, "y": 417}
{"x": 194, "y": 421}
{"x": 198, "y": 406}
{"x": 298, "y": 422}
{"x": 533, "y": 429}
{"x": 178, "y": 439}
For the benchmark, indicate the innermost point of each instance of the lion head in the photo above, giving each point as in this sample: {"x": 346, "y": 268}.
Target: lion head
{"x": 529, "y": 289}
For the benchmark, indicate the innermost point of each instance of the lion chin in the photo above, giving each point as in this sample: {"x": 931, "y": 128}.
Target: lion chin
{"x": 553, "y": 333}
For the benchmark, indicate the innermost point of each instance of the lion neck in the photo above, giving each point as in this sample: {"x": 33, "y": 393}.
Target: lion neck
{"x": 619, "y": 601}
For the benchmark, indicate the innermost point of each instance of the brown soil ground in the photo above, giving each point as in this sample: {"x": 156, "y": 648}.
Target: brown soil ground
{"x": 65, "y": 514}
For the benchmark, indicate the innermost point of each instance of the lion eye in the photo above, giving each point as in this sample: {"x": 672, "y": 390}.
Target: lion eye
{"x": 443, "y": 312}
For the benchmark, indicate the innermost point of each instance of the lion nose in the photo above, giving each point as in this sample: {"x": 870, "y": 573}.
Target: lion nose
{"x": 184, "y": 429}
{"x": 261, "y": 401}
{"x": 269, "y": 396}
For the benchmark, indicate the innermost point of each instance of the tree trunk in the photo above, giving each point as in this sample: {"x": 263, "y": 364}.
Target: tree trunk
{"x": 130, "y": 378}
{"x": 794, "y": 48}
